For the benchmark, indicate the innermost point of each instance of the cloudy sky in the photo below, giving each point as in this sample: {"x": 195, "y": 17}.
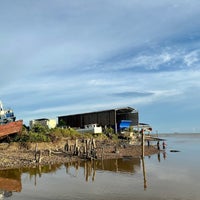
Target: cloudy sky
{"x": 67, "y": 57}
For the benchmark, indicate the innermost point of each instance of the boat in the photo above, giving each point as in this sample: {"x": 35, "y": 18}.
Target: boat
{"x": 8, "y": 123}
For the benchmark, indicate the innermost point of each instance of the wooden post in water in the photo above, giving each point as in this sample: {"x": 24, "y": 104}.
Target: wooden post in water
{"x": 144, "y": 174}
{"x": 94, "y": 170}
{"x": 142, "y": 157}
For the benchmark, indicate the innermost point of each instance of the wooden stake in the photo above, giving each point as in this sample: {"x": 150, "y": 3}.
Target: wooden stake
{"x": 142, "y": 143}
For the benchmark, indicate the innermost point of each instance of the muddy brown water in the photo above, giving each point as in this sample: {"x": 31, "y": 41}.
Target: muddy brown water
{"x": 168, "y": 175}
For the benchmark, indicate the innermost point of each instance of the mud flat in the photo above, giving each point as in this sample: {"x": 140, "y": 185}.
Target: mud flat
{"x": 16, "y": 155}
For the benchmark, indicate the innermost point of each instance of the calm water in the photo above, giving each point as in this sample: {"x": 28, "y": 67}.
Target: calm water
{"x": 165, "y": 176}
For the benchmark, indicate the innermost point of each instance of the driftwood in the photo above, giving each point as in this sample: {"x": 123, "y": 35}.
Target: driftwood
{"x": 174, "y": 151}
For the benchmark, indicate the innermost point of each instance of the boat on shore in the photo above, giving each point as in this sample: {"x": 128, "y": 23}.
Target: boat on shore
{"x": 8, "y": 123}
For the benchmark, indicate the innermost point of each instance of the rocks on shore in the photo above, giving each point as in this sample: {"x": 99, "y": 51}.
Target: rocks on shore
{"x": 16, "y": 155}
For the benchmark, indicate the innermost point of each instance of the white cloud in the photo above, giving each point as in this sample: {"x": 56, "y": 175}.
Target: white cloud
{"x": 152, "y": 61}
{"x": 192, "y": 58}
{"x": 72, "y": 56}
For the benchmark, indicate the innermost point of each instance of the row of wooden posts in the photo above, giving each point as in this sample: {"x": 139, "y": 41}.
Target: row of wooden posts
{"x": 83, "y": 148}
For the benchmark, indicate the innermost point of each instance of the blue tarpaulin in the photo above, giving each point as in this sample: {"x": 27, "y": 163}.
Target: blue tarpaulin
{"x": 125, "y": 124}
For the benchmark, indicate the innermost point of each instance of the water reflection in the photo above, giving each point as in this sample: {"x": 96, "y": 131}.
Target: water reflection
{"x": 144, "y": 173}
{"x": 126, "y": 164}
{"x": 123, "y": 165}
{"x": 164, "y": 155}
{"x": 10, "y": 180}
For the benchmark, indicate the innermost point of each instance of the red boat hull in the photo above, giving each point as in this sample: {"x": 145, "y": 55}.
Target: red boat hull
{"x": 11, "y": 128}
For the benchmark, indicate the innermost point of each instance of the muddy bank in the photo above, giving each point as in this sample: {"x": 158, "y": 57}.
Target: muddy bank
{"x": 16, "y": 155}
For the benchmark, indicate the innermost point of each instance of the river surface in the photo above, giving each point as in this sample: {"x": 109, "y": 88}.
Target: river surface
{"x": 166, "y": 176}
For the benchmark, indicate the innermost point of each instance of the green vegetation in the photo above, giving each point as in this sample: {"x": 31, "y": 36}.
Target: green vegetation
{"x": 41, "y": 133}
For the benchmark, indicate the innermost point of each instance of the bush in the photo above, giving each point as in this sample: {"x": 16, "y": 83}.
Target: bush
{"x": 40, "y": 133}
{"x": 32, "y": 137}
{"x": 38, "y": 128}
{"x": 38, "y": 137}
{"x": 57, "y": 133}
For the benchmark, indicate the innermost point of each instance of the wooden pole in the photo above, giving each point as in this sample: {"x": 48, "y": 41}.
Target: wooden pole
{"x": 94, "y": 170}
{"x": 143, "y": 166}
{"x": 36, "y": 150}
{"x": 144, "y": 174}
{"x": 142, "y": 143}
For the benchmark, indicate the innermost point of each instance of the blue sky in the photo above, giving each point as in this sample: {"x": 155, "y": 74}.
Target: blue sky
{"x": 66, "y": 57}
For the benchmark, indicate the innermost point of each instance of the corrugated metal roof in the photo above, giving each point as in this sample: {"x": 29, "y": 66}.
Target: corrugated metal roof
{"x": 122, "y": 110}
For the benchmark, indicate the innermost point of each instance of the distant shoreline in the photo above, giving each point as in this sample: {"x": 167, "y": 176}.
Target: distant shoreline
{"x": 168, "y": 134}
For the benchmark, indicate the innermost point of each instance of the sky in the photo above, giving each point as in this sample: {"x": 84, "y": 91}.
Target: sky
{"x": 67, "y": 57}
